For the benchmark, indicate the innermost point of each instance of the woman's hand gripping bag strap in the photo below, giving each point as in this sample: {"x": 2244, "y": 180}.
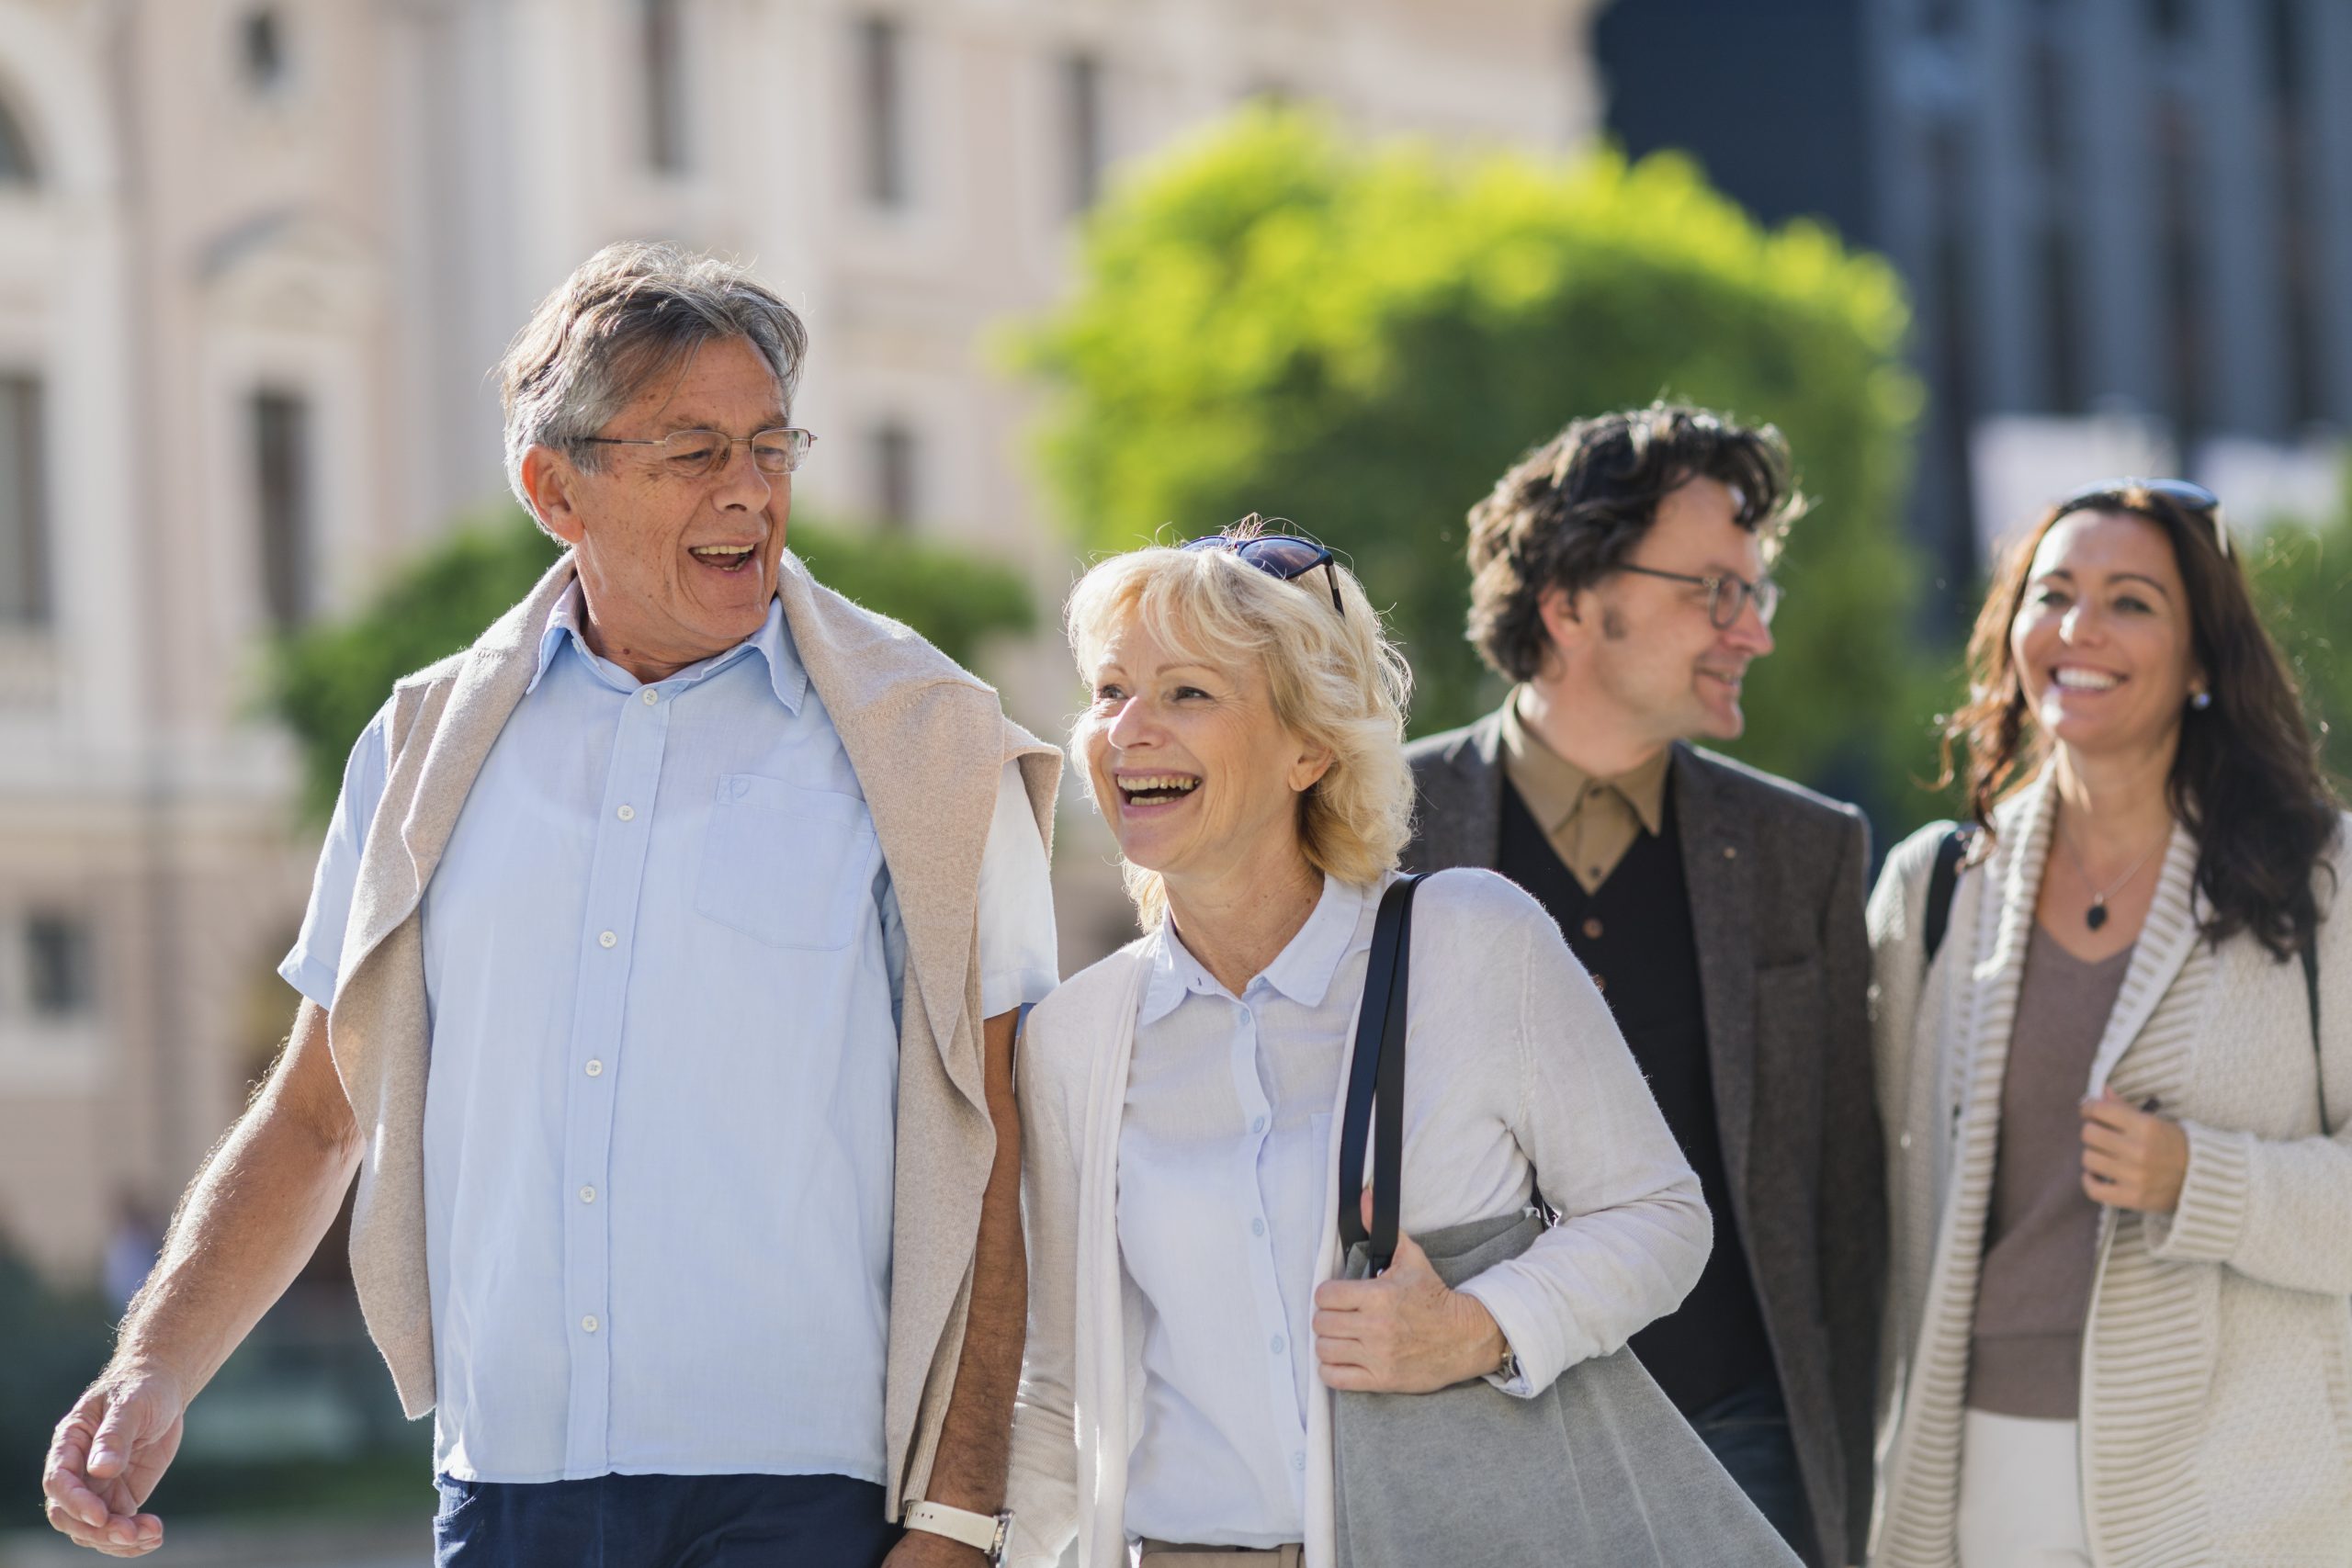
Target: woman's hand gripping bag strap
{"x": 1599, "y": 1470}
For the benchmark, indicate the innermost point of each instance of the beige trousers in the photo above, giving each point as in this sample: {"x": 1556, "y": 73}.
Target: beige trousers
{"x": 2021, "y": 1493}
{"x": 1163, "y": 1554}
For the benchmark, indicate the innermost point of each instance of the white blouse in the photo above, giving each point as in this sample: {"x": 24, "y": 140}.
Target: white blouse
{"x": 1170, "y": 1386}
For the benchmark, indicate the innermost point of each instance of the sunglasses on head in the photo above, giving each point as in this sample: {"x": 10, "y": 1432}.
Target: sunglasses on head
{"x": 1282, "y": 556}
{"x": 2194, "y": 498}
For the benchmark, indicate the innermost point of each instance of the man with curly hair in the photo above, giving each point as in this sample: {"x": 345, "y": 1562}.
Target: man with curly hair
{"x": 1621, "y": 580}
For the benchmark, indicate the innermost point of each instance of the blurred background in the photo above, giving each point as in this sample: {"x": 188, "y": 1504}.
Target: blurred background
{"x": 1078, "y": 272}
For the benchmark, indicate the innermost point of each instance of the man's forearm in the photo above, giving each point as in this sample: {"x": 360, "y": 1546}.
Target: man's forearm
{"x": 976, "y": 1438}
{"x": 251, "y": 1219}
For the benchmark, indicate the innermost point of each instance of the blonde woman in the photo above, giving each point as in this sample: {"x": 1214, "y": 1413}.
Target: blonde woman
{"x": 2117, "y": 1091}
{"x": 1243, "y": 738}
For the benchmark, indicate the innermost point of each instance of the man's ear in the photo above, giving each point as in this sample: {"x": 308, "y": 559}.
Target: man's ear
{"x": 550, "y": 480}
{"x": 1562, "y": 622}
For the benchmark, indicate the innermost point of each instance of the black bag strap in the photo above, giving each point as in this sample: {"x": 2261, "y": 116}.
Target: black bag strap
{"x": 1949, "y": 853}
{"x": 1376, "y": 1076}
{"x": 2309, "y": 951}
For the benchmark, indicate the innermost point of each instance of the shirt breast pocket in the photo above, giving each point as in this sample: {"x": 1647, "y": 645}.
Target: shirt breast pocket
{"x": 787, "y": 866}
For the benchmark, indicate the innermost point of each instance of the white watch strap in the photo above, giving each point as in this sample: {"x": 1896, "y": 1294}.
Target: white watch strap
{"x": 983, "y": 1531}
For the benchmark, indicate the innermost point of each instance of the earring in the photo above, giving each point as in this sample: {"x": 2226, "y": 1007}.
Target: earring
{"x": 2201, "y": 699}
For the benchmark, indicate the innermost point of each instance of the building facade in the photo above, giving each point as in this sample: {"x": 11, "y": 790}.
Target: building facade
{"x": 255, "y": 260}
{"x": 2126, "y": 224}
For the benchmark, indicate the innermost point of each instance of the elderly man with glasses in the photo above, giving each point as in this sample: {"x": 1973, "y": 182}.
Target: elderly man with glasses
{"x": 1619, "y": 580}
{"x": 660, "y": 972}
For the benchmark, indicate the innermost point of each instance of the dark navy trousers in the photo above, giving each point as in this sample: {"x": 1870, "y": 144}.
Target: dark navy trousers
{"x": 662, "y": 1521}
{"x": 1749, "y": 1434}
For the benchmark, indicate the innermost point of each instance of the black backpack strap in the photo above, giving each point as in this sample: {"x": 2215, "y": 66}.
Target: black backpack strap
{"x": 1376, "y": 1081}
{"x": 2309, "y": 951}
{"x": 1949, "y": 853}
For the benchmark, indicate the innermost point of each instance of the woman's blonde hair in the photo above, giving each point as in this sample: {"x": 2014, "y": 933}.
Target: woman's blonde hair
{"x": 1337, "y": 682}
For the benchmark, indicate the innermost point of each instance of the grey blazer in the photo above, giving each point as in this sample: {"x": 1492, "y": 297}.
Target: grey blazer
{"x": 1776, "y": 876}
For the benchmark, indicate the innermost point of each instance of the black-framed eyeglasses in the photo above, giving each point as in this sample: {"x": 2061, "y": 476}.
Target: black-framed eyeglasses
{"x": 1284, "y": 556}
{"x": 2191, "y": 498}
{"x": 698, "y": 454}
{"x": 1727, "y": 594}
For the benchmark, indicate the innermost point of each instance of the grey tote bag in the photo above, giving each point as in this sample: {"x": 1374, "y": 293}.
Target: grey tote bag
{"x": 1599, "y": 1470}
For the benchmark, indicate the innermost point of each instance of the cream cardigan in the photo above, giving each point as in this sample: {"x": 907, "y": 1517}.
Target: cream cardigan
{"x": 2217, "y": 1361}
{"x": 1514, "y": 1056}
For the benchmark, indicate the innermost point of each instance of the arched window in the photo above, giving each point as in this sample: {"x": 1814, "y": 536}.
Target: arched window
{"x": 15, "y": 151}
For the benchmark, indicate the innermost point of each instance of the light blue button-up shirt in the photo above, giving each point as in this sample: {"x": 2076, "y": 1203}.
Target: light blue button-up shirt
{"x": 663, "y": 965}
{"x": 1224, "y": 1151}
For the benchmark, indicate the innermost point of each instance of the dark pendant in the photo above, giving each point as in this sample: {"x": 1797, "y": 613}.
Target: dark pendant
{"x": 2097, "y": 917}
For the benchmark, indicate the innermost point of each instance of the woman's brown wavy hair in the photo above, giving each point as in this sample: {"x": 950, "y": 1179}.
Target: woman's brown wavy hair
{"x": 2246, "y": 779}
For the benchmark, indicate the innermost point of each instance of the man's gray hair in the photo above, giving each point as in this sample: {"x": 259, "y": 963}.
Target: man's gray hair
{"x": 630, "y": 313}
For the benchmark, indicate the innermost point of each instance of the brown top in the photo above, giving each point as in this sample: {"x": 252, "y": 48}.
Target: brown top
{"x": 2041, "y": 1233}
{"x": 1590, "y": 822}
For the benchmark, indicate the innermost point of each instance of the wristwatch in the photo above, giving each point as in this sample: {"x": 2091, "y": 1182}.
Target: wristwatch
{"x": 987, "y": 1531}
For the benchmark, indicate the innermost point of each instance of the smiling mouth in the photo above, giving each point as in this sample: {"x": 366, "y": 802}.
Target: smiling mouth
{"x": 2073, "y": 680}
{"x": 1157, "y": 789}
{"x": 729, "y": 559}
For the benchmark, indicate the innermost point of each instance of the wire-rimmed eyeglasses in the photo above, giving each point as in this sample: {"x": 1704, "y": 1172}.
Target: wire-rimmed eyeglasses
{"x": 698, "y": 454}
{"x": 1727, "y": 594}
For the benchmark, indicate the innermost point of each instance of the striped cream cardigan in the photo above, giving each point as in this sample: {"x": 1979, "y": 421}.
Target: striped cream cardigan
{"x": 2216, "y": 1409}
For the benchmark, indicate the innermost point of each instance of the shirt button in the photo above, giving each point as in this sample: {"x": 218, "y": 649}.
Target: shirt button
{"x": 1591, "y": 927}
{"x": 1905, "y": 1141}
{"x": 589, "y": 1323}
{"x": 627, "y": 814}
{"x": 587, "y": 1194}
{"x": 1275, "y": 1345}
{"x": 1259, "y": 1125}
{"x": 649, "y": 696}
{"x": 596, "y": 1068}
{"x": 1257, "y": 1227}
{"x": 1298, "y": 1460}
{"x": 606, "y": 939}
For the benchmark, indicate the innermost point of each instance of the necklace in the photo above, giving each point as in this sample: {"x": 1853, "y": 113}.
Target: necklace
{"x": 2095, "y": 915}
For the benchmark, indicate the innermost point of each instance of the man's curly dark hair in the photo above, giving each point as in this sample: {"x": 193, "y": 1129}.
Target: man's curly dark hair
{"x": 1570, "y": 512}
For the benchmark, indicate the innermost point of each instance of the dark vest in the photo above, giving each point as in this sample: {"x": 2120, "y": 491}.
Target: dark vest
{"x": 1636, "y": 938}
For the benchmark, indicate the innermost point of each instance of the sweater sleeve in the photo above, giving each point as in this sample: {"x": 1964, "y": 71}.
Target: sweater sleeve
{"x": 1041, "y": 1489}
{"x": 2280, "y": 1209}
{"x": 1634, "y": 1231}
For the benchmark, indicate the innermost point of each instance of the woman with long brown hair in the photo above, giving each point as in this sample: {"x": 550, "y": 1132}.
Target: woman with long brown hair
{"x": 2114, "y": 1033}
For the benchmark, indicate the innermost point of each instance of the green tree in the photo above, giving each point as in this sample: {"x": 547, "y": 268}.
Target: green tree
{"x": 1270, "y": 319}
{"x": 327, "y": 681}
{"x": 2302, "y": 578}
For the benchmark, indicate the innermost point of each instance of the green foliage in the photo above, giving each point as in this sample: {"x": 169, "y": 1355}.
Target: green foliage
{"x": 1361, "y": 341}
{"x": 327, "y": 681}
{"x": 2303, "y": 577}
{"x": 59, "y": 1343}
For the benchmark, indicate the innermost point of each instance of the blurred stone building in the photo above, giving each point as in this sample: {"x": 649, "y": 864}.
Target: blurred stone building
{"x": 255, "y": 261}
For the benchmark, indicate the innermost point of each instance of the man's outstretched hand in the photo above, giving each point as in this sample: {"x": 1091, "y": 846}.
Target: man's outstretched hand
{"x": 107, "y": 1456}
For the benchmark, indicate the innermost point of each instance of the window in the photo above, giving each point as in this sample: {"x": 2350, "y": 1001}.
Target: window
{"x": 58, "y": 983}
{"x": 281, "y": 457}
{"x": 2179, "y": 230}
{"x": 895, "y": 458}
{"x": 882, "y": 137}
{"x": 24, "y": 504}
{"x": 663, "y": 54}
{"x": 2300, "y": 264}
{"x": 1081, "y": 87}
{"x": 261, "y": 49}
{"x": 15, "y": 151}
